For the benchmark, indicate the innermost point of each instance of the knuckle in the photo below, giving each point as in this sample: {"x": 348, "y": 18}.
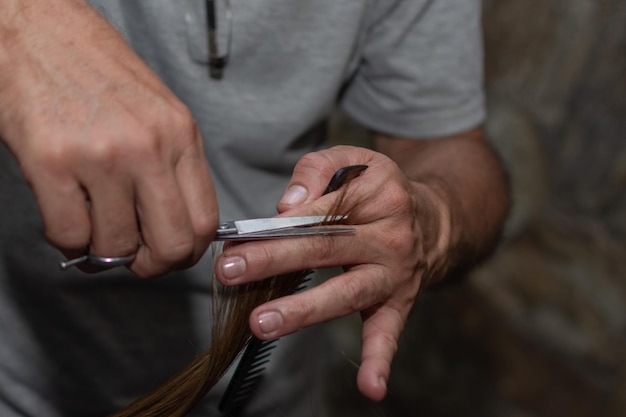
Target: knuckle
{"x": 323, "y": 249}
{"x": 397, "y": 197}
{"x": 52, "y": 159}
{"x": 144, "y": 272}
{"x": 302, "y": 312}
{"x": 108, "y": 152}
{"x": 261, "y": 258}
{"x": 388, "y": 342}
{"x": 178, "y": 252}
{"x": 144, "y": 141}
{"x": 205, "y": 225}
{"x": 65, "y": 234}
{"x": 183, "y": 124}
{"x": 102, "y": 153}
{"x": 309, "y": 160}
{"x": 141, "y": 273}
{"x": 355, "y": 295}
{"x": 182, "y": 117}
{"x": 314, "y": 161}
{"x": 403, "y": 238}
{"x": 401, "y": 241}
{"x": 380, "y": 344}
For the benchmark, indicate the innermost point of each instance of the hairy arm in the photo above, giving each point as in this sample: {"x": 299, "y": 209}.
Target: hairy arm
{"x": 87, "y": 120}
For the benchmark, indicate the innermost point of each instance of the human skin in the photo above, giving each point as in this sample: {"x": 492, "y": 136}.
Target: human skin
{"x": 420, "y": 213}
{"x": 87, "y": 120}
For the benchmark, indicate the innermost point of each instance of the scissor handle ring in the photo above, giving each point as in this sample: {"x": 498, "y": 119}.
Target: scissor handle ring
{"x": 110, "y": 262}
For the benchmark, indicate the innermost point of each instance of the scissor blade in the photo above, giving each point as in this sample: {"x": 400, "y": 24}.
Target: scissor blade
{"x": 275, "y": 223}
{"x": 287, "y": 232}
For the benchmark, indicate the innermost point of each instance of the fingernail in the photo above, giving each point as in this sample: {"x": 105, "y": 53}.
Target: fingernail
{"x": 294, "y": 195}
{"x": 383, "y": 382}
{"x": 233, "y": 267}
{"x": 270, "y": 321}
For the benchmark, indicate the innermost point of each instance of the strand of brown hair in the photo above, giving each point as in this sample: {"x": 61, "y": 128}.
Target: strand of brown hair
{"x": 230, "y": 334}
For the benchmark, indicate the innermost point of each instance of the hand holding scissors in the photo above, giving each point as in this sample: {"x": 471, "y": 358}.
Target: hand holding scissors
{"x": 254, "y": 229}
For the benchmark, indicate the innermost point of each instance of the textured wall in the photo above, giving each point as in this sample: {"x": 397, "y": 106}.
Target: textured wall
{"x": 540, "y": 329}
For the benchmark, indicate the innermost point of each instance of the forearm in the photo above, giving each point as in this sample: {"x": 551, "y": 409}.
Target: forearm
{"x": 41, "y": 42}
{"x": 20, "y": 18}
{"x": 466, "y": 194}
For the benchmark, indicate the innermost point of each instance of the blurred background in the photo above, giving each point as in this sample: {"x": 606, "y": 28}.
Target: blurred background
{"x": 540, "y": 329}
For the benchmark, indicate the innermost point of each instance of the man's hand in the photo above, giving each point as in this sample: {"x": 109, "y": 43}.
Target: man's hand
{"x": 114, "y": 158}
{"x": 409, "y": 225}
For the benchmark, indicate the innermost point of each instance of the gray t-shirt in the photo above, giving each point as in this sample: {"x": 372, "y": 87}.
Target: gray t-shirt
{"x": 84, "y": 345}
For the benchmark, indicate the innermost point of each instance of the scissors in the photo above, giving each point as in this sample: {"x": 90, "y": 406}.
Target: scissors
{"x": 279, "y": 227}
{"x": 255, "y": 229}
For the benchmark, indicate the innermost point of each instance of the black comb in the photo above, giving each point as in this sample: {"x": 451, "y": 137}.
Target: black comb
{"x": 249, "y": 372}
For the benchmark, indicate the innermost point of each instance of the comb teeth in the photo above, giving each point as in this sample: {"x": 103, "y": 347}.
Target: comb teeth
{"x": 249, "y": 372}
{"x": 247, "y": 376}
{"x": 306, "y": 278}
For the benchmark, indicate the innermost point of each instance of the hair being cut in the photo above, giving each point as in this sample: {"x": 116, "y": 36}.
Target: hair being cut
{"x": 230, "y": 334}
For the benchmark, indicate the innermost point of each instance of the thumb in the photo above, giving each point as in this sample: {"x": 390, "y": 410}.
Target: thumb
{"x": 319, "y": 173}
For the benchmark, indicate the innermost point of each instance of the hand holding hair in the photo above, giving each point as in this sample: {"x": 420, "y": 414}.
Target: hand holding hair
{"x": 409, "y": 230}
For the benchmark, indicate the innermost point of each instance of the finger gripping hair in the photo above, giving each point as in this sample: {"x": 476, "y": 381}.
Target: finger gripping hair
{"x": 230, "y": 334}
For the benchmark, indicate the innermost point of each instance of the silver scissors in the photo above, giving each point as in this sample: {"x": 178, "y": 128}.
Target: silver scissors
{"x": 251, "y": 229}
{"x": 255, "y": 229}
{"x": 279, "y": 227}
